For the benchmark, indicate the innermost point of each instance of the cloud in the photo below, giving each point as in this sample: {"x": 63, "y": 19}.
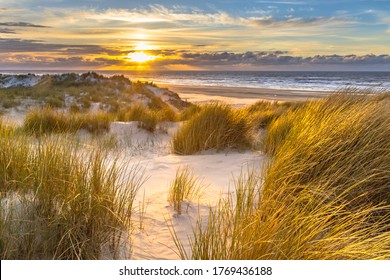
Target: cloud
{"x": 160, "y": 14}
{"x": 283, "y": 2}
{"x": 262, "y": 58}
{"x": 8, "y": 10}
{"x": 203, "y": 60}
{"x": 22, "y": 24}
{"x": 37, "y": 46}
{"x": 296, "y": 22}
{"x": 7, "y": 31}
{"x": 45, "y": 62}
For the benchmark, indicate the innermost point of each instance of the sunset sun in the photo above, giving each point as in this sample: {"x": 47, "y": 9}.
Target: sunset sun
{"x": 140, "y": 57}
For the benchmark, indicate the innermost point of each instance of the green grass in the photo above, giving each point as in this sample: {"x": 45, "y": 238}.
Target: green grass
{"x": 48, "y": 120}
{"x": 324, "y": 194}
{"x": 59, "y": 202}
{"x": 216, "y": 126}
{"x": 185, "y": 187}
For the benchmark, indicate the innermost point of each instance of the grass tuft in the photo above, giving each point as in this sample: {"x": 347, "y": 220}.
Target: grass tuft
{"x": 185, "y": 187}
{"x": 216, "y": 126}
{"x": 47, "y": 120}
{"x": 59, "y": 202}
{"x": 323, "y": 195}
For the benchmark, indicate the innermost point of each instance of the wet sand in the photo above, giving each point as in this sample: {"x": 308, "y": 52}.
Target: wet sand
{"x": 241, "y": 95}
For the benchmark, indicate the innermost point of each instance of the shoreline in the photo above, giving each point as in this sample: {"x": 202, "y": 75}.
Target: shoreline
{"x": 240, "y": 95}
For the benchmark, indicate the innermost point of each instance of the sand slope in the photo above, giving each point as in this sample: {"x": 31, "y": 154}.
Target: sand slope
{"x": 151, "y": 153}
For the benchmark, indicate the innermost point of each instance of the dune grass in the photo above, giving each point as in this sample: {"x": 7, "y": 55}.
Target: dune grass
{"x": 58, "y": 202}
{"x": 48, "y": 120}
{"x": 339, "y": 141}
{"x": 189, "y": 112}
{"x": 288, "y": 222}
{"x": 262, "y": 113}
{"x": 185, "y": 187}
{"x": 216, "y": 126}
{"x": 323, "y": 195}
{"x": 146, "y": 117}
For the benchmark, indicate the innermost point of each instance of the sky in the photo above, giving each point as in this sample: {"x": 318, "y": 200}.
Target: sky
{"x": 195, "y": 35}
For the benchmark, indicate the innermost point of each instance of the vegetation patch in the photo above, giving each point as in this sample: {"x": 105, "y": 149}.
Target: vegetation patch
{"x": 62, "y": 203}
{"x": 216, "y": 126}
{"x": 323, "y": 195}
{"x": 48, "y": 120}
{"x": 185, "y": 187}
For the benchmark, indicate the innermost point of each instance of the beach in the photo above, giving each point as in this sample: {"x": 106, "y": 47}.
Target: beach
{"x": 174, "y": 173}
{"x": 241, "y": 95}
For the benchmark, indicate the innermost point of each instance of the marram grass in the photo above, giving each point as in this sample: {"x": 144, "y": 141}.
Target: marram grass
{"x": 339, "y": 142}
{"x": 58, "y": 202}
{"x": 323, "y": 195}
{"x": 184, "y": 188}
{"x": 216, "y": 126}
{"x": 147, "y": 118}
{"x": 48, "y": 120}
{"x": 288, "y": 222}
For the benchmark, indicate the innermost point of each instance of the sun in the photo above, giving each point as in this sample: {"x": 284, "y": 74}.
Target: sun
{"x": 140, "y": 57}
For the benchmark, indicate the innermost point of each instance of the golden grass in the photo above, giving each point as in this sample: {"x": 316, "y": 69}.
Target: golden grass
{"x": 262, "y": 113}
{"x": 340, "y": 141}
{"x": 147, "y": 118}
{"x": 46, "y": 120}
{"x": 216, "y": 126}
{"x": 185, "y": 187}
{"x": 324, "y": 194}
{"x": 189, "y": 112}
{"x": 59, "y": 202}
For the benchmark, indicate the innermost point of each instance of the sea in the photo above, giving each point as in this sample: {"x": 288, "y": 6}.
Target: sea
{"x": 294, "y": 80}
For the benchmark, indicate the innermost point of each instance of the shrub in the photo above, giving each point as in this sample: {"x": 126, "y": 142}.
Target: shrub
{"x": 55, "y": 102}
{"x": 10, "y": 103}
{"x": 216, "y": 126}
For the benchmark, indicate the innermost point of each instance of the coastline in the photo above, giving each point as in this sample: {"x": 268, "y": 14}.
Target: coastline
{"x": 240, "y": 95}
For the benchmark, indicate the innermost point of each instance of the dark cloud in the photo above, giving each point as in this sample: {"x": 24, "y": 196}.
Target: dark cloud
{"x": 44, "y": 62}
{"x": 7, "y": 31}
{"x": 37, "y": 46}
{"x": 263, "y": 58}
{"x": 74, "y": 57}
{"x": 22, "y": 24}
{"x": 296, "y": 22}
